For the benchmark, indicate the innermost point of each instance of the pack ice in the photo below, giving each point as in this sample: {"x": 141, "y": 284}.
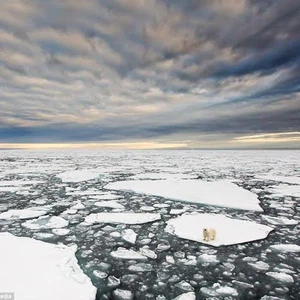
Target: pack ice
{"x": 229, "y": 231}
{"x": 37, "y": 270}
{"x": 219, "y": 193}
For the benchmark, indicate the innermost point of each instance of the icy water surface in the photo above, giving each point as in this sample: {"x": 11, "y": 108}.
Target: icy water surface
{"x": 173, "y": 266}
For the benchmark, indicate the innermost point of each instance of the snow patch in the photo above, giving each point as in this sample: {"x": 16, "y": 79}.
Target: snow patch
{"x": 78, "y": 175}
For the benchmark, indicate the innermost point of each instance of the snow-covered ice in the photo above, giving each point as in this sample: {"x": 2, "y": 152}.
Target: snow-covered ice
{"x": 26, "y": 213}
{"x": 229, "y": 231}
{"x": 281, "y": 277}
{"x": 285, "y": 190}
{"x": 129, "y": 236}
{"x": 46, "y": 222}
{"x": 124, "y": 253}
{"x": 287, "y": 179}
{"x": 109, "y": 204}
{"x": 78, "y": 175}
{"x": 126, "y": 218}
{"x": 37, "y": 270}
{"x": 279, "y": 220}
{"x": 285, "y": 248}
{"x": 219, "y": 193}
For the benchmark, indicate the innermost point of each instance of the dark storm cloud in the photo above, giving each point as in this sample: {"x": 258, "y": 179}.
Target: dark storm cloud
{"x": 106, "y": 70}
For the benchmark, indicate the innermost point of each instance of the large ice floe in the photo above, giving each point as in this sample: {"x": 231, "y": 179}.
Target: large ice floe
{"x": 125, "y": 218}
{"x": 26, "y": 213}
{"x": 37, "y": 270}
{"x": 219, "y": 193}
{"x": 229, "y": 231}
{"x": 278, "y": 178}
{"x": 78, "y": 175}
{"x": 285, "y": 190}
{"x": 46, "y": 222}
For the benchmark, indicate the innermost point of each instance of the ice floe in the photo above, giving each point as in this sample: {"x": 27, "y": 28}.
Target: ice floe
{"x": 124, "y": 253}
{"x": 281, "y": 276}
{"x": 109, "y": 204}
{"x": 125, "y": 218}
{"x": 219, "y": 193}
{"x": 26, "y": 213}
{"x": 229, "y": 231}
{"x": 46, "y": 222}
{"x": 186, "y": 296}
{"x": 285, "y": 190}
{"x": 285, "y": 248}
{"x": 78, "y": 175}
{"x": 129, "y": 236}
{"x": 37, "y": 270}
{"x": 218, "y": 290}
{"x": 287, "y": 179}
{"x": 279, "y": 220}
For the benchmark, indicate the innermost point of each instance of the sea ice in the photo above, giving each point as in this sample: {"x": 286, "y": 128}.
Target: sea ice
{"x": 287, "y": 179}
{"x": 78, "y": 175}
{"x": 281, "y": 277}
{"x": 26, "y": 213}
{"x": 129, "y": 236}
{"x": 125, "y": 218}
{"x": 279, "y": 220}
{"x": 37, "y": 270}
{"x": 229, "y": 231}
{"x": 109, "y": 204}
{"x": 186, "y": 296}
{"x": 124, "y": 253}
{"x": 46, "y": 222}
{"x": 285, "y": 190}
{"x": 285, "y": 248}
{"x": 219, "y": 193}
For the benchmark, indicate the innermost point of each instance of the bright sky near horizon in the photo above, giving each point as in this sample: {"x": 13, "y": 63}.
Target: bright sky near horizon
{"x": 149, "y": 74}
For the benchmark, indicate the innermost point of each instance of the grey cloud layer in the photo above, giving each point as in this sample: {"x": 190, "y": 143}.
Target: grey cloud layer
{"x": 122, "y": 69}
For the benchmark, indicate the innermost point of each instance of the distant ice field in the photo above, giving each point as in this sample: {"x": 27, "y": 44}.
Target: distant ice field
{"x": 135, "y": 220}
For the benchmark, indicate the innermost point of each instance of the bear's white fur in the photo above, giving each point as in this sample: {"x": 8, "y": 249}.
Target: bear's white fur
{"x": 209, "y": 234}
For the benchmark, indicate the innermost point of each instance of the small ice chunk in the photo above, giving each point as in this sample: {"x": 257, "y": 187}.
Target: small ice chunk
{"x": 186, "y": 296}
{"x": 177, "y": 211}
{"x": 124, "y": 253}
{"x": 285, "y": 248}
{"x": 129, "y": 236}
{"x": 78, "y": 205}
{"x": 149, "y": 253}
{"x": 46, "y": 222}
{"x": 207, "y": 258}
{"x": 170, "y": 259}
{"x": 279, "y": 220}
{"x": 281, "y": 277}
{"x": 109, "y": 204}
{"x": 100, "y": 274}
{"x": 61, "y": 231}
{"x": 185, "y": 286}
{"x": 260, "y": 266}
{"x": 218, "y": 290}
{"x": 125, "y": 218}
{"x": 147, "y": 208}
{"x": 122, "y": 294}
{"x": 113, "y": 281}
{"x": 26, "y": 213}
{"x": 141, "y": 267}
{"x": 78, "y": 175}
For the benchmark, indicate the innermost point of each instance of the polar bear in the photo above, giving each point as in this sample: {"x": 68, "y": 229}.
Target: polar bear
{"x": 209, "y": 234}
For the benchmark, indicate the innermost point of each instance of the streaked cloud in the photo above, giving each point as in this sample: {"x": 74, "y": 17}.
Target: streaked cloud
{"x": 120, "y": 70}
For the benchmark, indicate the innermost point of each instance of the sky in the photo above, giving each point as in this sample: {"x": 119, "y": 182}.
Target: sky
{"x": 150, "y": 74}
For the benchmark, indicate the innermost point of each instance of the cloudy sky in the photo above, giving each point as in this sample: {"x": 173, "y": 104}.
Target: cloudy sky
{"x": 150, "y": 73}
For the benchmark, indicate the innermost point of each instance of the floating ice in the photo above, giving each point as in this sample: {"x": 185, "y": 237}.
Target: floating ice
{"x": 37, "y": 270}
{"x": 78, "y": 175}
{"x": 260, "y": 266}
{"x": 141, "y": 267}
{"x": 285, "y": 190}
{"x": 281, "y": 277}
{"x": 219, "y": 193}
{"x": 287, "y": 179}
{"x": 124, "y": 253}
{"x": 61, "y": 231}
{"x": 19, "y": 182}
{"x": 208, "y": 258}
{"x": 125, "y": 218}
{"x": 185, "y": 286}
{"x": 46, "y": 222}
{"x": 109, "y": 204}
{"x": 122, "y": 294}
{"x": 186, "y": 296}
{"x": 129, "y": 236}
{"x": 78, "y": 205}
{"x": 177, "y": 211}
{"x": 285, "y": 248}
{"x": 149, "y": 253}
{"x": 26, "y": 213}
{"x": 218, "y": 290}
{"x": 229, "y": 231}
{"x": 279, "y": 220}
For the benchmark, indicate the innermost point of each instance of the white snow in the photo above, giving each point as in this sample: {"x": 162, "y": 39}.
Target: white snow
{"x": 26, "y": 213}
{"x": 279, "y": 220}
{"x": 287, "y": 179}
{"x": 281, "y": 277}
{"x": 37, "y": 270}
{"x": 125, "y": 218}
{"x": 109, "y": 204}
{"x": 219, "y": 193}
{"x": 229, "y": 231}
{"x": 285, "y": 248}
{"x": 124, "y": 253}
{"x": 46, "y": 222}
{"x": 78, "y": 175}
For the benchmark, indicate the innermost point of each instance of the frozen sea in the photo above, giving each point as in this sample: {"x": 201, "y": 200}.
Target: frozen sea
{"x": 80, "y": 197}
